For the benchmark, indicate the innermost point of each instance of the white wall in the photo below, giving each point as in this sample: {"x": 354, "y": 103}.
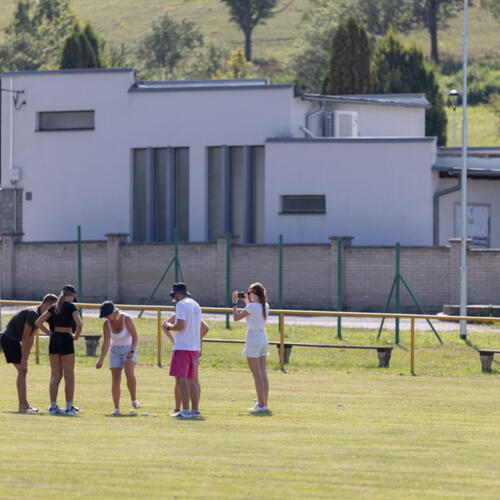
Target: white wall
{"x": 380, "y": 192}
{"x": 478, "y": 192}
{"x": 83, "y": 177}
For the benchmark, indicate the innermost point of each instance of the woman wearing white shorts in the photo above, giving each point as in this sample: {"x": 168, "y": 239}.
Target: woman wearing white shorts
{"x": 256, "y": 348}
{"x": 120, "y": 337}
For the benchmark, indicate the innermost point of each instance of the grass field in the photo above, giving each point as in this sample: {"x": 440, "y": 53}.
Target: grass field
{"x": 127, "y": 20}
{"x": 434, "y": 435}
{"x": 483, "y": 127}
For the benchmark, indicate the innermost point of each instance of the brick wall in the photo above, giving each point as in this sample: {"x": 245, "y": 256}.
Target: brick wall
{"x": 128, "y": 272}
{"x": 7, "y": 196}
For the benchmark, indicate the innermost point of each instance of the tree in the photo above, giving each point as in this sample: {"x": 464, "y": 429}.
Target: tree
{"x": 208, "y": 62}
{"x": 79, "y": 51}
{"x": 493, "y": 6}
{"x": 378, "y": 16}
{"x": 400, "y": 69}
{"x": 434, "y": 15}
{"x": 349, "y": 65}
{"x": 247, "y": 14}
{"x": 166, "y": 44}
{"x": 35, "y": 36}
{"x": 309, "y": 55}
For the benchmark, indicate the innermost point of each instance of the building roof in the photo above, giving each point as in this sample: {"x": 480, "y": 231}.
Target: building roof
{"x": 403, "y": 100}
{"x": 482, "y": 163}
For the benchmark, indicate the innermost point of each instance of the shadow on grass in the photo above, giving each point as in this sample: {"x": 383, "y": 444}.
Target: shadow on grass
{"x": 121, "y": 415}
{"x": 477, "y": 349}
{"x": 267, "y": 413}
{"x": 12, "y": 412}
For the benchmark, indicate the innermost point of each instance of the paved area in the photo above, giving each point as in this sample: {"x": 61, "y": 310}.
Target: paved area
{"x": 326, "y": 321}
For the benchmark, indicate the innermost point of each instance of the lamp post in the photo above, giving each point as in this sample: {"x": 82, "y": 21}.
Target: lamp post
{"x": 453, "y": 96}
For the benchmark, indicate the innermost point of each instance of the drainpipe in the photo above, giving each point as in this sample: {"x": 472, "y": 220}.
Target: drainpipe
{"x": 311, "y": 114}
{"x": 435, "y": 222}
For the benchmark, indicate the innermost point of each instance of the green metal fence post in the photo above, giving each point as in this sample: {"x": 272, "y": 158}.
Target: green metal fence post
{"x": 79, "y": 232}
{"x": 176, "y": 250}
{"x": 398, "y": 275}
{"x": 280, "y": 274}
{"x": 339, "y": 287}
{"x": 228, "y": 275}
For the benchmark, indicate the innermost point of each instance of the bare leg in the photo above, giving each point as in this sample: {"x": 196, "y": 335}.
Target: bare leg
{"x": 116, "y": 378}
{"x": 177, "y": 396}
{"x": 131, "y": 381}
{"x": 195, "y": 389}
{"x": 265, "y": 380}
{"x": 255, "y": 368}
{"x": 55, "y": 375}
{"x": 68, "y": 368}
{"x": 21, "y": 387}
{"x": 184, "y": 390}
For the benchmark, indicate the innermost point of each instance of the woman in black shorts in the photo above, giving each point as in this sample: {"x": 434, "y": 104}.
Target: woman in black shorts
{"x": 65, "y": 327}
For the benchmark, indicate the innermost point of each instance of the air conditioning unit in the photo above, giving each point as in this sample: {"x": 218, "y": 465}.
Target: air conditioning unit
{"x": 341, "y": 124}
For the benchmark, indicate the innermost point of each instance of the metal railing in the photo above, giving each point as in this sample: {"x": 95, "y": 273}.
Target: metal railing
{"x": 275, "y": 312}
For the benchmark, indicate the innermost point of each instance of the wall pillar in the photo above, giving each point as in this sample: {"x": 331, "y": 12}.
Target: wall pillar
{"x": 334, "y": 256}
{"x": 113, "y": 264}
{"x": 8, "y": 270}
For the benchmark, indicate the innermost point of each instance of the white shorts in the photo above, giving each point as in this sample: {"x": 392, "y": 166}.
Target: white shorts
{"x": 256, "y": 344}
{"x": 118, "y": 355}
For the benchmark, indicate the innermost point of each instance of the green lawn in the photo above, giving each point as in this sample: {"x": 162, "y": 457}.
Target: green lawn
{"x": 434, "y": 435}
{"x": 483, "y": 127}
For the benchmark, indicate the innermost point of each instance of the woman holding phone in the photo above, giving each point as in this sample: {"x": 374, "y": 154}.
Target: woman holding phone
{"x": 256, "y": 312}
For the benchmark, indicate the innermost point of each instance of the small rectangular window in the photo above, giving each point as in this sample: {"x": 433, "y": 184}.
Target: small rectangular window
{"x": 303, "y": 204}
{"x": 66, "y": 120}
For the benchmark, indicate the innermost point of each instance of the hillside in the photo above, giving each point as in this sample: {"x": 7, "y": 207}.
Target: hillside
{"x": 127, "y": 20}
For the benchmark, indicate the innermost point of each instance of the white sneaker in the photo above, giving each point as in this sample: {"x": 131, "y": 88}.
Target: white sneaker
{"x": 55, "y": 410}
{"x": 136, "y": 404}
{"x": 116, "y": 411}
{"x": 257, "y": 407}
{"x": 69, "y": 413}
{"x": 184, "y": 414}
{"x": 195, "y": 414}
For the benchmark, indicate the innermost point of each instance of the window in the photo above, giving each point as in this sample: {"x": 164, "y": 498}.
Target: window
{"x": 66, "y": 120}
{"x": 236, "y": 192}
{"x": 160, "y": 194}
{"x": 303, "y": 204}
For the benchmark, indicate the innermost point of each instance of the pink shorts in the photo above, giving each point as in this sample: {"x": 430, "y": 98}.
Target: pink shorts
{"x": 184, "y": 364}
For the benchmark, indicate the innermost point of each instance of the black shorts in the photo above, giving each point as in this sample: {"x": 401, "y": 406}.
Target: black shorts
{"x": 61, "y": 343}
{"x": 11, "y": 349}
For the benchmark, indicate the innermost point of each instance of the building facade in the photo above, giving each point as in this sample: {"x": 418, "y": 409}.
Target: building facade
{"x": 98, "y": 148}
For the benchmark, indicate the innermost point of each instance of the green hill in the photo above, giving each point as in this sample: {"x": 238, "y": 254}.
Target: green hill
{"x": 127, "y": 20}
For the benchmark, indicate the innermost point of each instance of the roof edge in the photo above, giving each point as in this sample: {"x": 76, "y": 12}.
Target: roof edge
{"x": 11, "y": 74}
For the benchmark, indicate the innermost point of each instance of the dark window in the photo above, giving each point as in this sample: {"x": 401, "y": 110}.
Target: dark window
{"x": 303, "y": 204}
{"x": 66, "y": 120}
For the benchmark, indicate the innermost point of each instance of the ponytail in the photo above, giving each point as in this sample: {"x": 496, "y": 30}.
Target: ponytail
{"x": 260, "y": 291}
{"x": 59, "y": 303}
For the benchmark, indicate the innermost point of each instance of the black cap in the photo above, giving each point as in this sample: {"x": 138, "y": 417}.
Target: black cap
{"x": 106, "y": 309}
{"x": 179, "y": 288}
{"x": 70, "y": 289}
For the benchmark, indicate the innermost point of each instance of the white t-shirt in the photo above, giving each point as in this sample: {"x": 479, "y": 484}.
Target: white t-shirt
{"x": 189, "y": 338}
{"x": 255, "y": 319}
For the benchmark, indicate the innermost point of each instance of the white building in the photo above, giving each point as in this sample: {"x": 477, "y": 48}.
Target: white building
{"x": 99, "y": 149}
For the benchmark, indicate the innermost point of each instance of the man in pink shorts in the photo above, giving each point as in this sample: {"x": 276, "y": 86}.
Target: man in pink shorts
{"x": 187, "y": 345}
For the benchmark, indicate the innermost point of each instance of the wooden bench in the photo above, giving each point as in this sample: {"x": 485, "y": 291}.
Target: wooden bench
{"x": 486, "y": 356}
{"x": 383, "y": 352}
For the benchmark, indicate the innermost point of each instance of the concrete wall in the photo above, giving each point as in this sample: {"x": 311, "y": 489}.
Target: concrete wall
{"x": 127, "y": 272}
{"x": 11, "y": 216}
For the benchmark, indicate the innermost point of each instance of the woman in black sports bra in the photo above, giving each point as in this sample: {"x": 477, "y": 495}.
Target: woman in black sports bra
{"x": 65, "y": 327}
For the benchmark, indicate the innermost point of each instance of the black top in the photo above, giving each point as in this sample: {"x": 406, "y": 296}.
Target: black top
{"x": 15, "y": 327}
{"x": 65, "y": 318}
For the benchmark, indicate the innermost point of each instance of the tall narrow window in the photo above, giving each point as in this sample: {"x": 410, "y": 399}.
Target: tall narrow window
{"x": 161, "y": 194}
{"x": 236, "y": 192}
